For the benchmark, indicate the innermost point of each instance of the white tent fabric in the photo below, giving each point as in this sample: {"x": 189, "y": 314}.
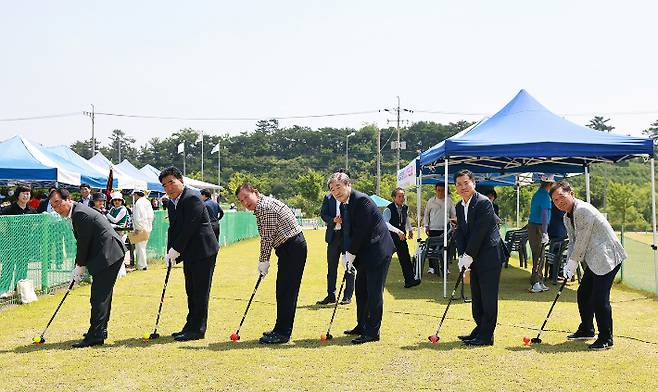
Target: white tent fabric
{"x": 150, "y": 170}
{"x": 125, "y": 181}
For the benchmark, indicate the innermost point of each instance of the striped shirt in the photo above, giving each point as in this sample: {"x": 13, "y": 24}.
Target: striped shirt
{"x": 276, "y": 224}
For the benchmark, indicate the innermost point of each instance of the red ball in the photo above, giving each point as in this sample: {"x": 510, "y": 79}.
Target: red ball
{"x": 434, "y": 338}
{"x": 235, "y": 337}
{"x": 526, "y": 340}
{"x": 323, "y": 337}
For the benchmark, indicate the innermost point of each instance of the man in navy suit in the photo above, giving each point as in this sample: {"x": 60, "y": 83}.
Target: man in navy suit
{"x": 330, "y": 213}
{"x": 478, "y": 243}
{"x": 190, "y": 238}
{"x": 368, "y": 247}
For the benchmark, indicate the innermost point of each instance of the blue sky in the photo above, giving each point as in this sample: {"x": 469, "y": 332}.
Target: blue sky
{"x": 263, "y": 58}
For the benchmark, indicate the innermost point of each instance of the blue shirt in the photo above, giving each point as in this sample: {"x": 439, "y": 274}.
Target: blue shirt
{"x": 540, "y": 200}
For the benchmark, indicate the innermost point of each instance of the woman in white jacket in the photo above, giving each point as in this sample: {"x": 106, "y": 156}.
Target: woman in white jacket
{"x": 142, "y": 225}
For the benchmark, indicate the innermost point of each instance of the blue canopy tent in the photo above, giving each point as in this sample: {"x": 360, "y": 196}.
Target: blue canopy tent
{"x": 380, "y": 202}
{"x": 89, "y": 173}
{"x": 525, "y": 136}
{"x": 21, "y": 160}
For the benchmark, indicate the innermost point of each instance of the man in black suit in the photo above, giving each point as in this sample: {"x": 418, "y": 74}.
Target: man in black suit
{"x": 192, "y": 240}
{"x": 330, "y": 213}
{"x": 368, "y": 247}
{"x": 99, "y": 251}
{"x": 478, "y": 243}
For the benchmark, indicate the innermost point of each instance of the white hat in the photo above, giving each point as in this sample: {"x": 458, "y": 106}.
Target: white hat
{"x": 116, "y": 195}
{"x": 546, "y": 177}
{"x": 139, "y": 191}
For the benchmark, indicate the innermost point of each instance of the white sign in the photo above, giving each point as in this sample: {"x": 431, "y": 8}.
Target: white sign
{"x": 407, "y": 175}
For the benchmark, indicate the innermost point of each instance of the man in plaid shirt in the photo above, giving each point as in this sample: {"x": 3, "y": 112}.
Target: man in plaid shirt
{"x": 278, "y": 229}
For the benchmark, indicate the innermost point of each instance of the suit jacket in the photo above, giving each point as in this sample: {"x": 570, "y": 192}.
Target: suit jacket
{"x": 328, "y": 213}
{"x": 98, "y": 245}
{"x": 369, "y": 239}
{"x": 593, "y": 240}
{"x": 190, "y": 232}
{"x": 479, "y": 237}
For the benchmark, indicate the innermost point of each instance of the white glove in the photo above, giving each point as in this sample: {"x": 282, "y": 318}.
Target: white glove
{"x": 263, "y": 267}
{"x": 171, "y": 257}
{"x": 77, "y": 273}
{"x": 349, "y": 261}
{"x": 544, "y": 238}
{"x": 569, "y": 269}
{"x": 465, "y": 261}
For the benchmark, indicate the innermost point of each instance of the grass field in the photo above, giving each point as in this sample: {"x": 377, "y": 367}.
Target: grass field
{"x": 403, "y": 360}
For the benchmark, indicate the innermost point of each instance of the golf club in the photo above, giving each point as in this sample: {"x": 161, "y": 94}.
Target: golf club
{"x": 328, "y": 335}
{"x": 155, "y": 333}
{"x": 537, "y": 339}
{"x": 435, "y": 338}
{"x": 40, "y": 339}
{"x": 235, "y": 336}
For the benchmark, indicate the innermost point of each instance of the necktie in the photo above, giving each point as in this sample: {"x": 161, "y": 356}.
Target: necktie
{"x": 347, "y": 229}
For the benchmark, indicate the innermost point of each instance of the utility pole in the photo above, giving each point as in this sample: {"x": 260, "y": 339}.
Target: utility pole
{"x": 379, "y": 161}
{"x": 92, "y": 115}
{"x": 202, "y": 155}
{"x": 399, "y": 144}
{"x": 347, "y": 149}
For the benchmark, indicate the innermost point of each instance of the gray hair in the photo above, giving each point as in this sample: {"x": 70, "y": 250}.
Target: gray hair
{"x": 339, "y": 177}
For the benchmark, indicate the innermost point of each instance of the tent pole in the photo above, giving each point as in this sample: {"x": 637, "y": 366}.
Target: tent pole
{"x": 517, "y": 201}
{"x": 587, "y": 183}
{"x": 653, "y": 220}
{"x": 445, "y": 230}
{"x": 419, "y": 187}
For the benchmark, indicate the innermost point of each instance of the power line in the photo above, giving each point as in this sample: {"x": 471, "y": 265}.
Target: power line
{"x": 45, "y": 116}
{"x": 236, "y": 118}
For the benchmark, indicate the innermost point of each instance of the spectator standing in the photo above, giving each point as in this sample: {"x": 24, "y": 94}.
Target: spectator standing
{"x": 142, "y": 226}
{"x": 540, "y": 216}
{"x": 85, "y": 195}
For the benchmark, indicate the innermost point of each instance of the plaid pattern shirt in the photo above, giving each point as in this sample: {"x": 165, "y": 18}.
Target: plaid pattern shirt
{"x": 276, "y": 224}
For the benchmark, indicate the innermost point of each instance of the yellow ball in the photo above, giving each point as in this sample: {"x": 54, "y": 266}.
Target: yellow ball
{"x": 146, "y": 336}
{"x": 36, "y": 339}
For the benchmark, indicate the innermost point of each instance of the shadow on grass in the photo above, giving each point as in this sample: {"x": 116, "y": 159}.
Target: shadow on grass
{"x": 426, "y": 345}
{"x": 562, "y": 347}
{"x": 250, "y": 344}
{"x": 66, "y": 345}
{"x": 28, "y": 348}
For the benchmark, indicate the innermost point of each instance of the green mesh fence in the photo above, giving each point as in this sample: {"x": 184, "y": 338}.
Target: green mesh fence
{"x": 638, "y": 270}
{"x": 236, "y": 226}
{"x": 42, "y": 247}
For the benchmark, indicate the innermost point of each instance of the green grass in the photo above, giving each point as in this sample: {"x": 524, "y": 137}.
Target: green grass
{"x": 402, "y": 360}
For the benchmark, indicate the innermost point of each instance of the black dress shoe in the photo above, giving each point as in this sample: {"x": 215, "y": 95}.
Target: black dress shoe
{"x": 353, "y": 331}
{"x": 104, "y": 334}
{"x": 464, "y": 338}
{"x": 365, "y": 339}
{"x": 268, "y": 332}
{"x": 601, "y": 344}
{"x": 478, "y": 342}
{"x": 88, "y": 343}
{"x": 181, "y": 332}
{"x": 184, "y": 337}
{"x": 346, "y": 301}
{"x": 327, "y": 300}
{"x": 274, "y": 338}
{"x": 413, "y": 283}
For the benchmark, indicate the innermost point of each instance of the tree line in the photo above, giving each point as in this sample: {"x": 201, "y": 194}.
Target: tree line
{"x": 293, "y": 163}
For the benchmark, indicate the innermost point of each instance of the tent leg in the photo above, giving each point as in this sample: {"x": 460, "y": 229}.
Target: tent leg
{"x": 653, "y": 221}
{"x": 419, "y": 187}
{"x": 518, "y": 219}
{"x": 588, "y": 198}
{"x": 445, "y": 231}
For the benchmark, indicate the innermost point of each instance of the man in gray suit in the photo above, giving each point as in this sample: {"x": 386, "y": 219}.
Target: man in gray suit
{"x": 99, "y": 251}
{"x": 593, "y": 242}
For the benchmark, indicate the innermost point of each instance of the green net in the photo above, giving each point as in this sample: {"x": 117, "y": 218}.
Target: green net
{"x": 42, "y": 247}
{"x": 638, "y": 270}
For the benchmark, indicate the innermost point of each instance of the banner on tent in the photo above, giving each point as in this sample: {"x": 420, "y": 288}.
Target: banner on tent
{"x": 407, "y": 175}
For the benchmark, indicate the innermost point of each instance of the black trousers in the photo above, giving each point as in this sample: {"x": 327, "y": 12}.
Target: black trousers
{"x": 402, "y": 249}
{"x": 369, "y": 290}
{"x": 484, "y": 300}
{"x": 334, "y": 249}
{"x": 102, "y": 286}
{"x": 215, "y": 228}
{"x": 198, "y": 280}
{"x": 290, "y": 268}
{"x": 594, "y": 301}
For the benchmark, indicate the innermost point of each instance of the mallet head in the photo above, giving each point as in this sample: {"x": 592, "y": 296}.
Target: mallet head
{"x": 535, "y": 340}
{"x": 433, "y": 338}
{"x": 154, "y": 335}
